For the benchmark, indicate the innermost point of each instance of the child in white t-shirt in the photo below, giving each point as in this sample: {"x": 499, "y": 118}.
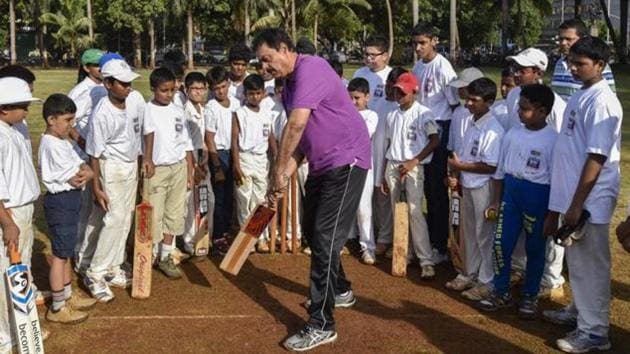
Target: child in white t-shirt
{"x": 461, "y": 115}
{"x": 471, "y": 167}
{"x": 411, "y": 137}
{"x": 359, "y": 90}
{"x": 376, "y": 70}
{"x": 585, "y": 176}
{"x": 253, "y": 146}
{"x": 64, "y": 175}
{"x": 168, "y": 167}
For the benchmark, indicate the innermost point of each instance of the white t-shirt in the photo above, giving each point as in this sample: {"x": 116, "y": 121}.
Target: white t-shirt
{"x": 592, "y": 125}
{"x": 180, "y": 99}
{"x": 270, "y": 87}
{"x": 383, "y": 108}
{"x": 278, "y": 118}
{"x": 408, "y": 133}
{"x": 254, "y": 130}
{"x": 377, "y": 80}
{"x": 459, "y": 123}
{"x": 171, "y": 140}
{"x": 116, "y": 134}
{"x": 18, "y": 179}
{"x": 236, "y": 89}
{"x": 218, "y": 120}
{"x": 58, "y": 162}
{"x": 85, "y": 96}
{"x": 527, "y": 154}
{"x": 482, "y": 143}
{"x": 500, "y": 112}
{"x": 433, "y": 82}
{"x": 196, "y": 125}
{"x": 554, "y": 119}
{"x": 371, "y": 120}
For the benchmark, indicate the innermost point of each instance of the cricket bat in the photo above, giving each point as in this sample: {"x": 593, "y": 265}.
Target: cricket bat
{"x": 143, "y": 246}
{"x": 21, "y": 303}
{"x": 401, "y": 234}
{"x": 246, "y": 238}
{"x": 455, "y": 232}
{"x": 201, "y": 241}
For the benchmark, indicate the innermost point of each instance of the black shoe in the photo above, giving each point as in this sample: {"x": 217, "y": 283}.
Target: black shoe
{"x": 495, "y": 302}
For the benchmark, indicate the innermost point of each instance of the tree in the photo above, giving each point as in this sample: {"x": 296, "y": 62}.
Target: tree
{"x": 390, "y": 24}
{"x": 12, "y": 31}
{"x": 71, "y": 27}
{"x": 623, "y": 33}
{"x": 505, "y": 19}
{"x": 333, "y": 11}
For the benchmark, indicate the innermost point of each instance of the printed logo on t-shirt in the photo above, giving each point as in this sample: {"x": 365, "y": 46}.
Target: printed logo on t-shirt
{"x": 533, "y": 161}
{"x": 571, "y": 123}
{"x": 179, "y": 125}
{"x": 136, "y": 125}
{"x": 428, "y": 85}
{"x": 266, "y": 129}
{"x": 378, "y": 92}
{"x": 412, "y": 135}
{"x": 475, "y": 148}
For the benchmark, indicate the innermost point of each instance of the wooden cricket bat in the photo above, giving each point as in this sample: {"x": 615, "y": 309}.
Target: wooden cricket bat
{"x": 246, "y": 238}
{"x": 21, "y": 303}
{"x": 201, "y": 241}
{"x": 143, "y": 246}
{"x": 455, "y": 232}
{"x": 401, "y": 234}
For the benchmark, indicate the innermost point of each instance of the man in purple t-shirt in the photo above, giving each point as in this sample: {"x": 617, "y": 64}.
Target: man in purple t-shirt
{"x": 324, "y": 127}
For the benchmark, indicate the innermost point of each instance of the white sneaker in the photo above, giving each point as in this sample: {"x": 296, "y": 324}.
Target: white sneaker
{"x": 118, "y": 279}
{"x": 428, "y": 272}
{"x": 460, "y": 283}
{"x": 99, "y": 289}
{"x": 368, "y": 258}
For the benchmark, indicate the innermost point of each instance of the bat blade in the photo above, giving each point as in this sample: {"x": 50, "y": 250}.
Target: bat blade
{"x": 246, "y": 238}
{"x": 401, "y": 239}
{"x": 456, "y": 236}
{"x": 201, "y": 240}
{"x": 142, "y": 252}
{"x": 21, "y": 301}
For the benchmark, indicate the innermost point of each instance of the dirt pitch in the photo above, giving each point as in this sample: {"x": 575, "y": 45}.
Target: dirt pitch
{"x": 211, "y": 312}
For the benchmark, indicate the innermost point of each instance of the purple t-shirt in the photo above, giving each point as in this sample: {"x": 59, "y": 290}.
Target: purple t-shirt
{"x": 335, "y": 134}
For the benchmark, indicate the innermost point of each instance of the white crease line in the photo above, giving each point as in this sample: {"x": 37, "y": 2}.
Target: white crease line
{"x": 167, "y": 317}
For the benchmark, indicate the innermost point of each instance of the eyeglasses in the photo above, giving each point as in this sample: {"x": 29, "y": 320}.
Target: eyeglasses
{"x": 198, "y": 89}
{"x": 373, "y": 55}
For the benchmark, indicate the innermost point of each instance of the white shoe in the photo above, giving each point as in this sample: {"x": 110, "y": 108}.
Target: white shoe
{"x": 99, "y": 289}
{"x": 438, "y": 257}
{"x": 118, "y": 279}
{"x": 428, "y": 272}
{"x": 460, "y": 283}
{"x": 368, "y": 258}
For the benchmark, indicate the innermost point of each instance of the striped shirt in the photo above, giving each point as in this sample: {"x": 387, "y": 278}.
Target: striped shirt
{"x": 565, "y": 85}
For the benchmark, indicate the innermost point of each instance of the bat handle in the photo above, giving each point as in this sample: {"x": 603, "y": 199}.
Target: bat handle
{"x": 14, "y": 254}
{"x": 145, "y": 189}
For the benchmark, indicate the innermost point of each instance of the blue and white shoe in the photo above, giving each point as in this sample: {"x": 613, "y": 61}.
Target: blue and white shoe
{"x": 582, "y": 342}
{"x": 118, "y": 279}
{"x": 98, "y": 289}
{"x": 309, "y": 338}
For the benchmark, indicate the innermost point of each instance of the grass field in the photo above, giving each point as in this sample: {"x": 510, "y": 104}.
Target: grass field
{"x": 255, "y": 304}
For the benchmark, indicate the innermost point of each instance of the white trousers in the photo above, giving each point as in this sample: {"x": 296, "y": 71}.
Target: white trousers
{"x": 477, "y": 234}
{"x": 414, "y": 187}
{"x": 189, "y": 222}
{"x": 589, "y": 273}
{"x": 23, "y": 218}
{"x": 364, "y": 216}
{"x": 552, "y": 277}
{"x": 252, "y": 192}
{"x": 119, "y": 181}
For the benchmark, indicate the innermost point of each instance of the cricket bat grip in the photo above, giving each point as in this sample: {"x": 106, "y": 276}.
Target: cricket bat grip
{"x": 402, "y": 196}
{"x": 145, "y": 188}
{"x": 14, "y": 255}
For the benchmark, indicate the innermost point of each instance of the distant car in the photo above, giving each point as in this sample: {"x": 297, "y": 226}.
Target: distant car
{"x": 217, "y": 56}
{"x": 339, "y": 56}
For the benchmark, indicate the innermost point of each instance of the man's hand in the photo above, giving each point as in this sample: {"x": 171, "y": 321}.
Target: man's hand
{"x": 572, "y": 216}
{"x": 550, "y": 227}
{"x": 11, "y": 235}
{"x": 454, "y": 162}
{"x": 148, "y": 167}
{"x": 277, "y": 187}
{"x": 219, "y": 176}
{"x": 101, "y": 199}
{"x": 452, "y": 182}
{"x": 406, "y": 167}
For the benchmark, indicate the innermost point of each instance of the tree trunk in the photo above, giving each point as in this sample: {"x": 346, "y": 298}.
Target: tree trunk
{"x": 520, "y": 23}
{"x": 37, "y": 12}
{"x": 89, "y": 16}
{"x": 151, "y": 43}
{"x": 12, "y": 30}
{"x": 45, "y": 63}
{"x": 190, "y": 38}
{"x": 453, "y": 31}
{"x": 287, "y": 17}
{"x": 247, "y": 22}
{"x": 293, "y": 24}
{"x": 577, "y": 9}
{"x": 505, "y": 18}
{"x": 390, "y": 24}
{"x": 623, "y": 32}
{"x": 137, "y": 60}
{"x": 315, "y": 29}
{"x": 611, "y": 29}
{"x": 415, "y": 9}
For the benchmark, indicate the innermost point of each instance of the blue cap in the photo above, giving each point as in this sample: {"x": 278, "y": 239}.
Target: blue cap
{"x": 107, "y": 57}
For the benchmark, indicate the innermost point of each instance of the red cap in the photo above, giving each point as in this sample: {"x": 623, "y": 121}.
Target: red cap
{"x": 408, "y": 83}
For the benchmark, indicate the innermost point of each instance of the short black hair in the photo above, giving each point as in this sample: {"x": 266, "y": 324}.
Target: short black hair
{"x": 305, "y": 46}
{"x": 194, "y": 76}
{"x": 359, "y": 84}
{"x": 58, "y": 104}
{"x": 175, "y": 56}
{"x": 337, "y": 66}
{"x": 175, "y": 68}
{"x": 507, "y": 72}
{"x": 278, "y": 82}
{"x": 424, "y": 29}
{"x": 378, "y": 41}
{"x": 240, "y": 52}
{"x": 484, "y": 88}
{"x": 216, "y": 75}
{"x": 575, "y": 23}
{"x": 160, "y": 76}
{"x": 18, "y": 71}
{"x": 253, "y": 82}
{"x": 539, "y": 94}
{"x": 273, "y": 37}
{"x": 395, "y": 73}
{"x": 592, "y": 48}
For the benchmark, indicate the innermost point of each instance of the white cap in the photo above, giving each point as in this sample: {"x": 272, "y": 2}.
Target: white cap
{"x": 119, "y": 70}
{"x": 466, "y": 77}
{"x": 15, "y": 90}
{"x": 531, "y": 57}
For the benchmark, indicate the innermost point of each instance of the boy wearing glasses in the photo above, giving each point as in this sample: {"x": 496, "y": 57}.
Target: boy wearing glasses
{"x": 375, "y": 71}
